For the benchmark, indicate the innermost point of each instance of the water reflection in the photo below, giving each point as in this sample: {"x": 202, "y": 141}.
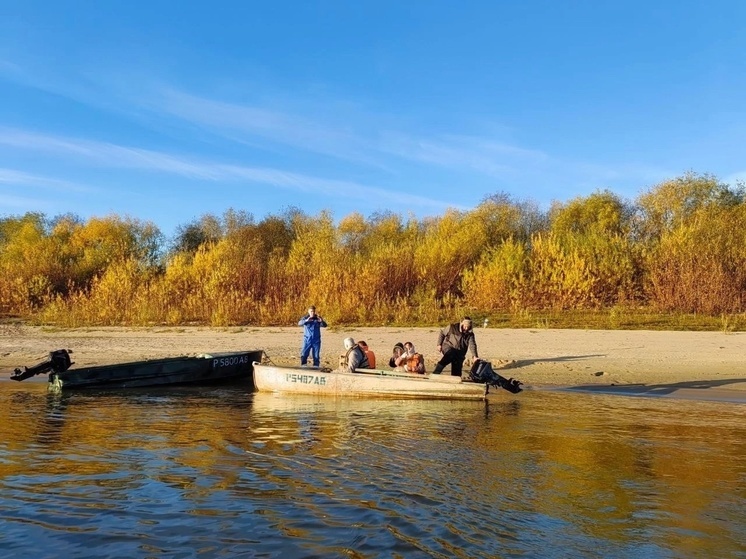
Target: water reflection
{"x": 208, "y": 471}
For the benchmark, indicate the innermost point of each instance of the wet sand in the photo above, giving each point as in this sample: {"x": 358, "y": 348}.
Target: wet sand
{"x": 709, "y": 365}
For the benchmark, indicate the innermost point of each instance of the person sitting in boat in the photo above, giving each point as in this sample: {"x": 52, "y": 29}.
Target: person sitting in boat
{"x": 398, "y": 350}
{"x": 410, "y": 360}
{"x": 368, "y": 353}
{"x": 355, "y": 357}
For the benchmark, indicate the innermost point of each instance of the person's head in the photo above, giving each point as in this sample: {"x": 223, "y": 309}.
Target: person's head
{"x": 409, "y": 347}
{"x": 349, "y": 343}
{"x": 362, "y": 344}
{"x": 466, "y": 324}
{"x": 398, "y": 349}
{"x": 312, "y": 310}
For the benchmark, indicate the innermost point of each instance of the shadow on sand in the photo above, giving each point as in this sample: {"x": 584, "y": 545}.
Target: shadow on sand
{"x": 528, "y": 362}
{"x": 718, "y": 390}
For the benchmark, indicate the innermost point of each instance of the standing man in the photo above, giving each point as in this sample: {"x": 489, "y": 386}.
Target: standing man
{"x": 453, "y": 342}
{"x": 312, "y": 325}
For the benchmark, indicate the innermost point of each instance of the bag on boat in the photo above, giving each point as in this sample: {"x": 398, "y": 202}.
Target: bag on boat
{"x": 482, "y": 372}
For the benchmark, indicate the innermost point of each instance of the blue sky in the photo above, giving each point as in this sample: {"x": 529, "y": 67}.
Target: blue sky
{"x": 165, "y": 111}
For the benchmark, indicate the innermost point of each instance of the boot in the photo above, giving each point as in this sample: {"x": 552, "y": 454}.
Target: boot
{"x": 438, "y": 369}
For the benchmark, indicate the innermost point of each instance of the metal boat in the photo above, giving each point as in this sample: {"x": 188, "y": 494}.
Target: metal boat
{"x": 184, "y": 370}
{"x": 376, "y": 383}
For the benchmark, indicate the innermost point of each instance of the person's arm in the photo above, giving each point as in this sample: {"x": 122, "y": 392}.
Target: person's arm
{"x": 441, "y": 337}
{"x": 322, "y": 322}
{"x": 473, "y": 346}
{"x": 302, "y": 321}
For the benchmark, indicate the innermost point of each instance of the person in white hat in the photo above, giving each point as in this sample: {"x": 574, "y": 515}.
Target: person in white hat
{"x": 355, "y": 357}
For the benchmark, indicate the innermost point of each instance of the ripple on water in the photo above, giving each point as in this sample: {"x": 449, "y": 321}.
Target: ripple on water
{"x": 209, "y": 472}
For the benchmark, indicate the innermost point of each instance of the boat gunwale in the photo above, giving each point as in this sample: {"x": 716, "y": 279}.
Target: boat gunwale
{"x": 456, "y": 389}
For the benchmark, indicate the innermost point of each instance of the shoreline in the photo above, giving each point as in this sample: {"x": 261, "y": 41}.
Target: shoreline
{"x": 611, "y": 359}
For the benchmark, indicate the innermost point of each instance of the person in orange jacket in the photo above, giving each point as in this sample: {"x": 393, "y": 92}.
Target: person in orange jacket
{"x": 369, "y": 353}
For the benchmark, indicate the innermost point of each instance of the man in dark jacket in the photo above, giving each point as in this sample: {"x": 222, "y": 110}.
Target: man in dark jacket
{"x": 453, "y": 343}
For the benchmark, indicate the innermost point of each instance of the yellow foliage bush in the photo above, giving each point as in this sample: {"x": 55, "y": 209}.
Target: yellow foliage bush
{"x": 680, "y": 248}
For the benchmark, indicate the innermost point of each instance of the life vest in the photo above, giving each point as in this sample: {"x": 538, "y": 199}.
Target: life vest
{"x": 363, "y": 362}
{"x": 415, "y": 363}
{"x": 371, "y": 358}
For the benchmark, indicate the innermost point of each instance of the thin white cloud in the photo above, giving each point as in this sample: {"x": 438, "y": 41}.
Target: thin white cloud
{"x": 362, "y": 140}
{"x": 112, "y": 155}
{"x": 355, "y": 136}
{"x": 464, "y": 152}
{"x": 376, "y": 146}
{"x": 246, "y": 123}
{"x": 106, "y": 154}
{"x": 255, "y": 125}
{"x": 331, "y": 187}
{"x": 6, "y": 66}
{"x": 13, "y": 176}
{"x": 10, "y": 201}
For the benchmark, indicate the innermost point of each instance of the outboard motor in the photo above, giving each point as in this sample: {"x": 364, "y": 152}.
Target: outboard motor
{"x": 59, "y": 361}
{"x": 482, "y": 372}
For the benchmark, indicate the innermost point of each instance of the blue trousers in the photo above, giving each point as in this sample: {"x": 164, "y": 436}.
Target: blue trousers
{"x": 312, "y": 347}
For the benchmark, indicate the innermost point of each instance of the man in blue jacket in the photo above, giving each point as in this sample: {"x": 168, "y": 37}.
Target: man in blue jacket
{"x": 312, "y": 325}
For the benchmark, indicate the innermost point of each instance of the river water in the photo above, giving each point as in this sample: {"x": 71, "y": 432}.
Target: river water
{"x": 222, "y": 472}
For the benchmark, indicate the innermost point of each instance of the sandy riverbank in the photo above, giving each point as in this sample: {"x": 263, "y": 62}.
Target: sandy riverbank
{"x": 537, "y": 357}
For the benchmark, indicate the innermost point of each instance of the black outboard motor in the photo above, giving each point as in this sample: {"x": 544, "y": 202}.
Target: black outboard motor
{"x": 59, "y": 361}
{"x": 482, "y": 372}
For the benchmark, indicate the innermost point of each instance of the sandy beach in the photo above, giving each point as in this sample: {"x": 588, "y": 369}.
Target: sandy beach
{"x": 650, "y": 362}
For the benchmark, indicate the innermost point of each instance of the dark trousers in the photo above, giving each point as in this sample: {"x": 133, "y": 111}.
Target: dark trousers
{"x": 456, "y": 360}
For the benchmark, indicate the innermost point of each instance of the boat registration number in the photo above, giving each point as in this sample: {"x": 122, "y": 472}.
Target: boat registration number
{"x": 230, "y": 361}
{"x": 305, "y": 379}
